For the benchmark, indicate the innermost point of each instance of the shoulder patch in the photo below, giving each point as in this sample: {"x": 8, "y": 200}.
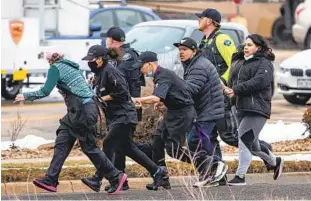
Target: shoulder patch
{"x": 127, "y": 56}
{"x": 227, "y": 42}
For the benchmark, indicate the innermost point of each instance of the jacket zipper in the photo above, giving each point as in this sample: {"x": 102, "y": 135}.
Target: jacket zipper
{"x": 239, "y": 73}
{"x": 236, "y": 98}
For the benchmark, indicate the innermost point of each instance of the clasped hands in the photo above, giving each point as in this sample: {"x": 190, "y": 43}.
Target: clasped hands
{"x": 228, "y": 92}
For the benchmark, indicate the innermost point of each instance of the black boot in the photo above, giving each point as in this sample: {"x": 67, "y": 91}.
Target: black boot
{"x": 159, "y": 179}
{"x": 93, "y": 182}
{"x": 165, "y": 184}
{"x": 117, "y": 183}
{"x": 124, "y": 188}
{"x": 278, "y": 169}
{"x": 223, "y": 181}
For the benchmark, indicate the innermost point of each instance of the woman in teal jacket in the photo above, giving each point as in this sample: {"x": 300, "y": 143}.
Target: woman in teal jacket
{"x": 79, "y": 122}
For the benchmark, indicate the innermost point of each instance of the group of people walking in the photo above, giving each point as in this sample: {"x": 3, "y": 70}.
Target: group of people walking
{"x": 224, "y": 92}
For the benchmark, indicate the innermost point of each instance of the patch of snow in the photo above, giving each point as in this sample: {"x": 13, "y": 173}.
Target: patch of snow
{"x": 28, "y": 142}
{"x": 280, "y": 132}
{"x": 294, "y": 157}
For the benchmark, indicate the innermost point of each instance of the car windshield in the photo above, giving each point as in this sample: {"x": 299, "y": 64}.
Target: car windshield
{"x": 160, "y": 38}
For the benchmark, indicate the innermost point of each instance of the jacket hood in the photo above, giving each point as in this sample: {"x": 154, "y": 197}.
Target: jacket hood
{"x": 70, "y": 63}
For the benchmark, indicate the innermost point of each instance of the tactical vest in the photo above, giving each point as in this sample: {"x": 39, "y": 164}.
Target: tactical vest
{"x": 210, "y": 51}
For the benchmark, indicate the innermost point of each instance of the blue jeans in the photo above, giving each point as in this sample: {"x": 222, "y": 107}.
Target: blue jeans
{"x": 203, "y": 136}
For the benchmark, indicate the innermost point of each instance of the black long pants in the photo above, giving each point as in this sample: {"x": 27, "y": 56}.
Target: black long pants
{"x": 120, "y": 137}
{"x": 227, "y": 130}
{"x": 65, "y": 141}
{"x": 154, "y": 151}
{"x": 171, "y": 136}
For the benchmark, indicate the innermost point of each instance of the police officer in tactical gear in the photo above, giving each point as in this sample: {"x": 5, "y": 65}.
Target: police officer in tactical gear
{"x": 121, "y": 117}
{"x": 219, "y": 48}
{"x": 122, "y": 56}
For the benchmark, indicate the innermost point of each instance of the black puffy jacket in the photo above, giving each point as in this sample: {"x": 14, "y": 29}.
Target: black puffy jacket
{"x": 252, "y": 82}
{"x": 203, "y": 83}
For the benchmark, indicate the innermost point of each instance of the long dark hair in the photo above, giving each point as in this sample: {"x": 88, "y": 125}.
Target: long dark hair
{"x": 264, "y": 46}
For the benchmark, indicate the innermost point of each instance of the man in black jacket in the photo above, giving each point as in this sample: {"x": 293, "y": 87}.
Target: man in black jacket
{"x": 203, "y": 83}
{"x": 121, "y": 117}
{"x": 171, "y": 90}
{"x": 122, "y": 56}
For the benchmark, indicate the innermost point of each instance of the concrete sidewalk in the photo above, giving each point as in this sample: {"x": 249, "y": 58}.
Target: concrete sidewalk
{"x": 68, "y": 186}
{"x": 227, "y": 157}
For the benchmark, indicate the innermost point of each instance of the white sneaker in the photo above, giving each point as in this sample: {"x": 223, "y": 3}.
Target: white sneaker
{"x": 208, "y": 184}
{"x": 221, "y": 171}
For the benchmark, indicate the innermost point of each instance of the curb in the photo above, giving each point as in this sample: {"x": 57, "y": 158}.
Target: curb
{"x": 75, "y": 186}
{"x": 83, "y": 157}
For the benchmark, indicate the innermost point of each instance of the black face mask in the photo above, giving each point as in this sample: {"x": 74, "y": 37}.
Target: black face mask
{"x": 93, "y": 66}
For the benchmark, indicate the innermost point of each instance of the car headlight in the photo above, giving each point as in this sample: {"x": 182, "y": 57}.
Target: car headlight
{"x": 283, "y": 70}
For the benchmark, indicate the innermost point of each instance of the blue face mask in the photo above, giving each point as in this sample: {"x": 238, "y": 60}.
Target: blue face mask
{"x": 149, "y": 74}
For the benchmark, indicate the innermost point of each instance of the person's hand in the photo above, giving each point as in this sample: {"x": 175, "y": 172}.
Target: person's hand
{"x": 91, "y": 80}
{"x": 137, "y": 102}
{"x": 138, "y": 105}
{"x": 229, "y": 92}
{"x": 19, "y": 97}
{"x": 156, "y": 106}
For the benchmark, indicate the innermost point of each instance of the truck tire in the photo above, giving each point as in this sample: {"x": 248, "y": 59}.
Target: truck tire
{"x": 279, "y": 34}
{"x": 308, "y": 41}
{"x": 10, "y": 88}
{"x": 297, "y": 99}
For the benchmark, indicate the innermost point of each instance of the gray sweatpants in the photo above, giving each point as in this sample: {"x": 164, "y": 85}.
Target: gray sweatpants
{"x": 249, "y": 127}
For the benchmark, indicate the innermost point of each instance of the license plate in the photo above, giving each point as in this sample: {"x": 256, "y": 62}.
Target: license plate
{"x": 302, "y": 83}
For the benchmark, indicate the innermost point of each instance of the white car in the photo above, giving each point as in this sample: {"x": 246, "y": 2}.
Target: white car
{"x": 302, "y": 28}
{"x": 294, "y": 78}
{"x": 159, "y": 36}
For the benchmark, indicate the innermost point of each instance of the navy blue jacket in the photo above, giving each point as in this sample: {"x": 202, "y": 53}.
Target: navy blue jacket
{"x": 203, "y": 83}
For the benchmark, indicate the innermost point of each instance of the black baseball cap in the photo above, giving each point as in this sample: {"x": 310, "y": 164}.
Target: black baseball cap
{"x": 188, "y": 42}
{"x": 116, "y": 33}
{"x": 210, "y": 13}
{"x": 96, "y": 51}
{"x": 145, "y": 57}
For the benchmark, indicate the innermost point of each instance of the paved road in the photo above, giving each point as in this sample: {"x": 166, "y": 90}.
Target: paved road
{"x": 260, "y": 187}
{"x": 42, "y": 116}
{"x": 43, "y": 119}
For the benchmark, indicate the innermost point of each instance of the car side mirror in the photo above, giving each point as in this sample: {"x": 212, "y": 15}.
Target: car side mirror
{"x": 95, "y": 27}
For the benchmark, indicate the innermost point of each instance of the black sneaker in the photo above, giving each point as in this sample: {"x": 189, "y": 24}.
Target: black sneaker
{"x": 158, "y": 178}
{"x": 278, "y": 169}
{"x": 223, "y": 181}
{"x": 165, "y": 184}
{"x": 124, "y": 188}
{"x": 237, "y": 181}
{"x": 93, "y": 182}
{"x": 117, "y": 183}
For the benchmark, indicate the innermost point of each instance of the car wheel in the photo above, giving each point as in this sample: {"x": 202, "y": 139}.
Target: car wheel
{"x": 308, "y": 40}
{"x": 279, "y": 33}
{"x": 10, "y": 88}
{"x": 297, "y": 99}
